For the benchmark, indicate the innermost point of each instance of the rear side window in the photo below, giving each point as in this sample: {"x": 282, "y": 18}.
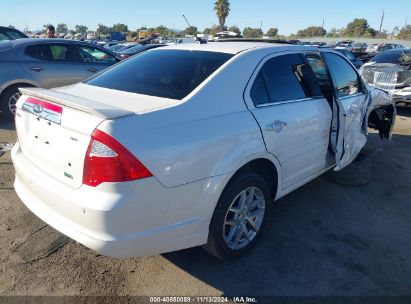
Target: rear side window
{"x": 164, "y": 73}
{"x": 50, "y": 52}
{"x": 94, "y": 55}
{"x": 284, "y": 78}
{"x": 346, "y": 80}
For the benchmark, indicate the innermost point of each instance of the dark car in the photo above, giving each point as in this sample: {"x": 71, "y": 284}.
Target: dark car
{"x": 391, "y": 71}
{"x": 354, "y": 60}
{"x": 8, "y": 33}
{"x": 320, "y": 44}
{"x": 138, "y": 49}
{"x": 381, "y": 48}
{"x": 294, "y": 41}
{"x": 46, "y": 63}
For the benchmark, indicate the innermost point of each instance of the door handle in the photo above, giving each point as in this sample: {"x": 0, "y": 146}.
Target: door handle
{"x": 92, "y": 70}
{"x": 277, "y": 126}
{"x": 37, "y": 68}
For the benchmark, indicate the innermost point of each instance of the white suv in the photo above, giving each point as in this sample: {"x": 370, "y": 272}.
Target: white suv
{"x": 188, "y": 145}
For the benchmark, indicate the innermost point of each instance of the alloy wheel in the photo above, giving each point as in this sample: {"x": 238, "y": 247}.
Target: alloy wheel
{"x": 244, "y": 218}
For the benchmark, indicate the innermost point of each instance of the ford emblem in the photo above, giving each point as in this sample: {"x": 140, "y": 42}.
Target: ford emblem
{"x": 37, "y": 108}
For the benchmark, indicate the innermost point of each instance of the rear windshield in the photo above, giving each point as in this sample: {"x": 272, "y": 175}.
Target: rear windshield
{"x": 164, "y": 73}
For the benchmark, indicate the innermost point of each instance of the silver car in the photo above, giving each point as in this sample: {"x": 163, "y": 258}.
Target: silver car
{"x": 46, "y": 63}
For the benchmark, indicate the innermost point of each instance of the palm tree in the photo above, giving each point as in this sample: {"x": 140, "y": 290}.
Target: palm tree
{"x": 222, "y": 8}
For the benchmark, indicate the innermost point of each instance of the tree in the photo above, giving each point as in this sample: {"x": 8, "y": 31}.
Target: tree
{"x": 103, "y": 29}
{"x": 334, "y": 33}
{"x": 222, "y": 9}
{"x": 81, "y": 29}
{"x": 133, "y": 34}
{"x": 162, "y": 30}
{"x": 212, "y": 30}
{"x": 119, "y": 27}
{"x": 62, "y": 28}
{"x": 191, "y": 30}
{"x": 405, "y": 33}
{"x": 359, "y": 28}
{"x": 249, "y": 32}
{"x": 235, "y": 29}
{"x": 272, "y": 32}
{"x": 312, "y": 31}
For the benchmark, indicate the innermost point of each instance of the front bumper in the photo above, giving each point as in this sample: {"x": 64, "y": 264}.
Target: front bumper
{"x": 118, "y": 219}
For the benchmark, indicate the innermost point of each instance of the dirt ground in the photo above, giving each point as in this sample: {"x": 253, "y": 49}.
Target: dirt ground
{"x": 322, "y": 239}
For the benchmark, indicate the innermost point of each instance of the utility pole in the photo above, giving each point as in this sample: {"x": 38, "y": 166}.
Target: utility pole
{"x": 261, "y": 25}
{"x": 406, "y": 22}
{"x": 186, "y": 20}
{"x": 382, "y": 19}
{"x": 322, "y": 26}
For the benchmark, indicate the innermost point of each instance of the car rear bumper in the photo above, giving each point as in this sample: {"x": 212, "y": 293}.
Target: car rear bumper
{"x": 120, "y": 220}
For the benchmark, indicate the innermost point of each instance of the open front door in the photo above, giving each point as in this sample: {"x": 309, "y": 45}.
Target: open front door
{"x": 351, "y": 104}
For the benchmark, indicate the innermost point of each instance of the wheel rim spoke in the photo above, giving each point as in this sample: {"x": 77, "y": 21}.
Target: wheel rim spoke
{"x": 238, "y": 235}
{"x": 256, "y": 213}
{"x": 235, "y": 210}
{"x": 232, "y": 233}
{"x": 252, "y": 224}
{"x": 243, "y": 200}
{"x": 255, "y": 203}
{"x": 245, "y": 232}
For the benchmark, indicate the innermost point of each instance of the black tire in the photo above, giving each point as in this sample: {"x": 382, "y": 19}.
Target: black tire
{"x": 4, "y": 102}
{"x": 216, "y": 245}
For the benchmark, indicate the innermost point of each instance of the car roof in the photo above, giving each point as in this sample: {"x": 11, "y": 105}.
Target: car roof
{"x": 234, "y": 47}
{"x": 31, "y": 41}
{"x": 27, "y": 41}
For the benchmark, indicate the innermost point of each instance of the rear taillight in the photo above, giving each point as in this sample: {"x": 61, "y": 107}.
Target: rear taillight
{"x": 108, "y": 161}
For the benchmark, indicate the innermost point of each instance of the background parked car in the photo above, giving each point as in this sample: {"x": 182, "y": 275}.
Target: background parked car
{"x": 354, "y": 60}
{"x": 359, "y": 48}
{"x": 138, "y": 49}
{"x": 391, "y": 71}
{"x": 345, "y": 45}
{"x": 46, "y": 63}
{"x": 7, "y": 33}
{"x": 121, "y": 47}
{"x": 379, "y": 48}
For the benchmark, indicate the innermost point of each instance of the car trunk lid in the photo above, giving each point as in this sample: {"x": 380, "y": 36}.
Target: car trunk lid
{"x": 54, "y": 130}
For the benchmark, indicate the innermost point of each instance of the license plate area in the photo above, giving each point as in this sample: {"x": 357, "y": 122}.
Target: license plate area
{"x": 43, "y": 109}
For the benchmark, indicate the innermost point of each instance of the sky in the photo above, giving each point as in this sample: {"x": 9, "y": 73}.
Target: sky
{"x": 287, "y": 15}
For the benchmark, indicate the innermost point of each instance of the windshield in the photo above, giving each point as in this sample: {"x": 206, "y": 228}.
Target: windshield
{"x": 163, "y": 73}
{"x": 10, "y": 34}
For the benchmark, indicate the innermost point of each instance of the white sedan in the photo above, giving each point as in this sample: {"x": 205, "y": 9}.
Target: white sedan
{"x": 188, "y": 145}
